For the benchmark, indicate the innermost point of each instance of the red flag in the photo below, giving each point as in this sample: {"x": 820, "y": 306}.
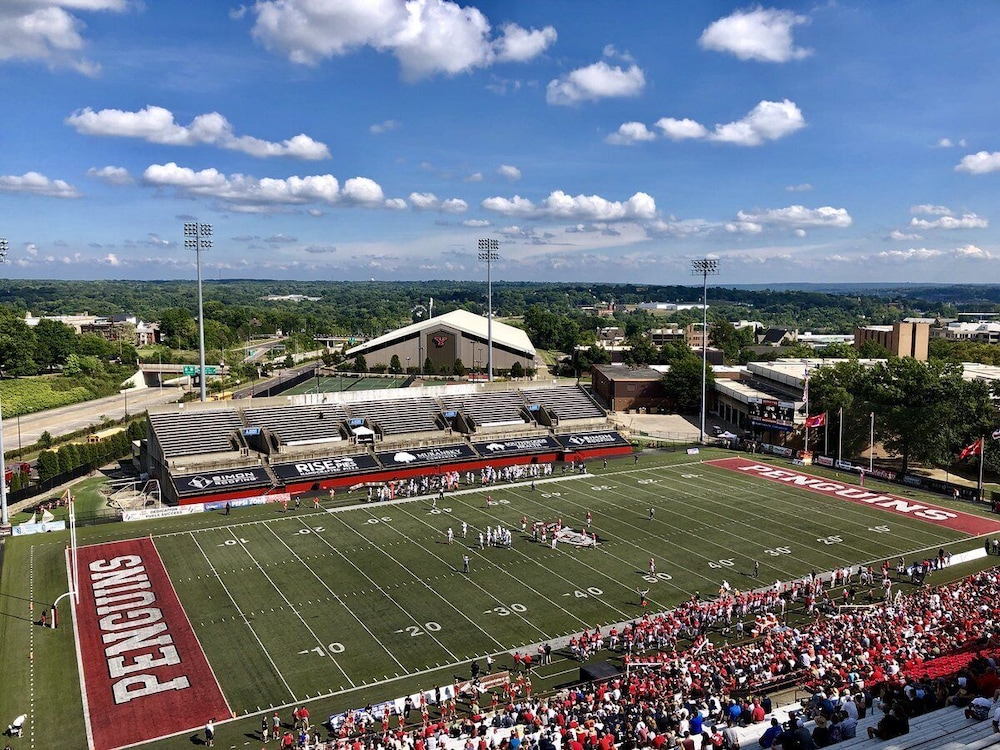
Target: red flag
{"x": 976, "y": 449}
{"x": 816, "y": 420}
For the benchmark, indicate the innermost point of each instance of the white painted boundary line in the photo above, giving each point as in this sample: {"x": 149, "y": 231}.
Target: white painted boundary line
{"x": 79, "y": 655}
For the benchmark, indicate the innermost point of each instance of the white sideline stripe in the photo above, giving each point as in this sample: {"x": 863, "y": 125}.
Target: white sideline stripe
{"x": 197, "y": 640}
{"x": 245, "y": 620}
{"x": 293, "y": 608}
{"x": 337, "y": 596}
{"x": 79, "y": 655}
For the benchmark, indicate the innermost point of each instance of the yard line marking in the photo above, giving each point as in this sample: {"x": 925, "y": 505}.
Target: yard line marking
{"x": 292, "y": 607}
{"x": 475, "y": 583}
{"x": 340, "y": 601}
{"x": 381, "y": 590}
{"x": 245, "y": 620}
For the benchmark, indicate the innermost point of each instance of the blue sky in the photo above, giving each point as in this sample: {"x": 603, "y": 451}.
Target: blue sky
{"x": 597, "y": 141}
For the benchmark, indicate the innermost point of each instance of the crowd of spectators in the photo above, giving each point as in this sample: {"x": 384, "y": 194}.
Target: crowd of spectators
{"x": 679, "y": 690}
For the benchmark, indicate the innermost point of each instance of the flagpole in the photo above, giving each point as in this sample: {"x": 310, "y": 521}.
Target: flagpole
{"x": 840, "y": 441}
{"x": 871, "y": 446}
{"x": 982, "y": 460}
{"x": 826, "y": 437}
{"x": 805, "y": 397}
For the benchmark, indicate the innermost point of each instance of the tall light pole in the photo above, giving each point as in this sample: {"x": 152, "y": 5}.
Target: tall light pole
{"x": 4, "y": 517}
{"x": 704, "y": 267}
{"x": 194, "y": 234}
{"x": 489, "y": 251}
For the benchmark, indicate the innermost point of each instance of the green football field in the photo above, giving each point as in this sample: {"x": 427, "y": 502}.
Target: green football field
{"x": 340, "y": 607}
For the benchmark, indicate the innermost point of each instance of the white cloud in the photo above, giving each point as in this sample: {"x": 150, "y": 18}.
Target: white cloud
{"x": 476, "y": 223}
{"x": 948, "y": 143}
{"x": 395, "y": 204}
{"x": 911, "y": 254}
{"x": 34, "y": 183}
{"x": 768, "y": 121}
{"x": 430, "y": 202}
{"x": 804, "y": 187}
{"x": 517, "y": 44}
{"x": 965, "y": 221}
{"x": 630, "y": 133}
{"x": 597, "y": 81}
{"x": 248, "y": 194}
{"x": 156, "y": 125}
{"x": 798, "y": 217}
{"x": 46, "y": 31}
{"x": 761, "y": 34}
{"x": 111, "y": 260}
{"x": 475, "y": 177}
{"x": 800, "y": 232}
{"x": 679, "y": 130}
{"x": 973, "y": 252}
{"x": 111, "y": 175}
{"x": 895, "y": 234}
{"x": 426, "y": 36}
{"x": 559, "y": 205}
{"x": 744, "y": 227}
{"x": 981, "y": 162}
{"x": 383, "y": 127}
{"x": 930, "y": 209}
{"x": 509, "y": 171}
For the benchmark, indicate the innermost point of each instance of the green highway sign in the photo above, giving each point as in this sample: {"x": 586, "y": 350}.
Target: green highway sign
{"x": 193, "y": 370}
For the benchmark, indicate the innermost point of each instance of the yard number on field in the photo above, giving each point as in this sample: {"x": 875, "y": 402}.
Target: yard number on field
{"x": 383, "y": 519}
{"x": 829, "y": 540}
{"x": 778, "y": 551}
{"x": 233, "y": 542}
{"x": 504, "y": 611}
{"x": 415, "y": 630}
{"x": 436, "y": 511}
{"x": 333, "y": 648}
{"x": 592, "y": 591}
{"x": 879, "y": 529}
{"x": 316, "y": 529}
{"x": 657, "y": 578}
{"x": 726, "y": 563}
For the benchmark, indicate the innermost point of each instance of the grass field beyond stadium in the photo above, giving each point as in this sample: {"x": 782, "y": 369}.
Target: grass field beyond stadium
{"x": 340, "y": 608}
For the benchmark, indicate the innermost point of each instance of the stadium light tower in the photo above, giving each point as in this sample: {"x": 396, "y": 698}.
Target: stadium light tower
{"x": 704, "y": 267}
{"x": 4, "y": 517}
{"x": 194, "y": 239}
{"x": 489, "y": 251}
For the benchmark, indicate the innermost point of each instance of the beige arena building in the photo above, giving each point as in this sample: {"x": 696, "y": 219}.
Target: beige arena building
{"x": 455, "y": 335}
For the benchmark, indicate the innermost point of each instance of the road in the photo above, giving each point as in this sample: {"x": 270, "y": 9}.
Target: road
{"x": 26, "y": 430}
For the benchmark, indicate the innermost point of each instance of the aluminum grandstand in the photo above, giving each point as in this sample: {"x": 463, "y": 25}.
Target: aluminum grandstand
{"x": 216, "y": 452}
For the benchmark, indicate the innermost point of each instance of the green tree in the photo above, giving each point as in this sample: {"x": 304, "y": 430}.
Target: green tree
{"x": 682, "y": 382}
{"x": 360, "y": 365}
{"x": 428, "y": 366}
{"x": 45, "y": 439}
{"x": 68, "y": 457}
{"x": 642, "y": 352}
{"x": 459, "y": 367}
{"x": 395, "y": 366}
{"x": 47, "y": 465}
{"x": 17, "y": 345}
{"x": 517, "y": 370}
{"x": 871, "y": 349}
{"x": 54, "y": 342}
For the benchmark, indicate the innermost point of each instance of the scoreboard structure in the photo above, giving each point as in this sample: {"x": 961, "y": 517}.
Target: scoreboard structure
{"x": 771, "y": 414}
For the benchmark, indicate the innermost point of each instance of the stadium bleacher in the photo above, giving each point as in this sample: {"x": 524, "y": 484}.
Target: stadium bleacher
{"x": 565, "y": 402}
{"x": 398, "y": 416}
{"x": 196, "y": 432}
{"x": 488, "y": 408}
{"x": 299, "y": 424}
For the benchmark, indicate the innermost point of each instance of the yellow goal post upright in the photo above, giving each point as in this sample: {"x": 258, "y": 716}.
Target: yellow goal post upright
{"x": 74, "y": 571}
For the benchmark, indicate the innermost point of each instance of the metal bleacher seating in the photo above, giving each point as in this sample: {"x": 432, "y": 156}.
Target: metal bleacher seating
{"x": 943, "y": 729}
{"x": 299, "y": 424}
{"x": 196, "y": 432}
{"x": 488, "y": 408}
{"x": 398, "y": 416}
{"x": 566, "y": 402}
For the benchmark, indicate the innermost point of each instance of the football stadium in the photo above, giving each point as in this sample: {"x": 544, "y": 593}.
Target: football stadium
{"x": 376, "y": 569}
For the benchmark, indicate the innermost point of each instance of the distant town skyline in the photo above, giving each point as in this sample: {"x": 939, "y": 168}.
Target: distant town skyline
{"x": 597, "y": 142}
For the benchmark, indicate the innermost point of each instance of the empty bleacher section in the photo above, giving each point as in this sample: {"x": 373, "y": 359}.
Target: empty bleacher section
{"x": 195, "y": 433}
{"x": 564, "y": 403}
{"x": 398, "y": 416}
{"x": 299, "y": 425}
{"x": 489, "y": 408}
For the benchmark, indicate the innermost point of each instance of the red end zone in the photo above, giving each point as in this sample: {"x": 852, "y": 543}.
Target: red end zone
{"x": 952, "y": 519}
{"x": 145, "y": 674}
